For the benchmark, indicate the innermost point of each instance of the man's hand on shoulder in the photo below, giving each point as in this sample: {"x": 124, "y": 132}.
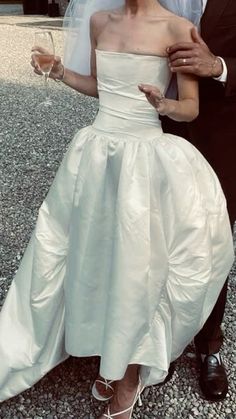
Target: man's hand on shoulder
{"x": 194, "y": 58}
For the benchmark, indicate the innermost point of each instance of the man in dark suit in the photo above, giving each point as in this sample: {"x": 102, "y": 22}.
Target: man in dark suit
{"x": 212, "y": 57}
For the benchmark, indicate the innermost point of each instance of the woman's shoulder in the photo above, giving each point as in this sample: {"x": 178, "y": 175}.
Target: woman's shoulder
{"x": 180, "y": 29}
{"x": 98, "y": 21}
{"x": 102, "y": 16}
{"x": 99, "y": 18}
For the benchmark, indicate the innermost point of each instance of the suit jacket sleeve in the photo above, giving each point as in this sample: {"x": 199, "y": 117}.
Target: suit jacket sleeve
{"x": 218, "y": 29}
{"x": 230, "y": 87}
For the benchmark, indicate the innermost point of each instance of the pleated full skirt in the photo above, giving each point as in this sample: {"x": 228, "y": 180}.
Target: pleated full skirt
{"x": 130, "y": 251}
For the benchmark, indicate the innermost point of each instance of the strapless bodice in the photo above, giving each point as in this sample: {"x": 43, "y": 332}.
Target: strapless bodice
{"x": 123, "y": 108}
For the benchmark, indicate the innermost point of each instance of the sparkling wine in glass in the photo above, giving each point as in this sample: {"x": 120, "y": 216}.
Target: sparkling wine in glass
{"x": 45, "y": 52}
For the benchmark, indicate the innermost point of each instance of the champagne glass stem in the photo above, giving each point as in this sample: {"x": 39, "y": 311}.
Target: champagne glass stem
{"x": 46, "y": 76}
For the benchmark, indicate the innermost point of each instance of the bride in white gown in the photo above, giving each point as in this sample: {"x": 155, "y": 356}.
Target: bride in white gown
{"x": 132, "y": 244}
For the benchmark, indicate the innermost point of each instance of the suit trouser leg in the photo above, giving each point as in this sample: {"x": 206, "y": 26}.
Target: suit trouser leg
{"x": 210, "y": 338}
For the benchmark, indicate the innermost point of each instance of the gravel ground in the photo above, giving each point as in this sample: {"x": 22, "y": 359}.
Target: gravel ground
{"x": 32, "y": 143}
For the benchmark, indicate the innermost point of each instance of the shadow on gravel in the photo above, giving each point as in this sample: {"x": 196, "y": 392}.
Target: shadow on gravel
{"x": 55, "y": 24}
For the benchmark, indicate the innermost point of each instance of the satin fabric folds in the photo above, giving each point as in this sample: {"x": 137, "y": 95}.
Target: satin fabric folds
{"x": 131, "y": 247}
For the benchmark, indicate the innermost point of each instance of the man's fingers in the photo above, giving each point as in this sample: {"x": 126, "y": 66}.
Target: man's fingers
{"x": 182, "y": 54}
{"x": 182, "y": 62}
{"x": 196, "y": 36}
{"x": 180, "y": 46}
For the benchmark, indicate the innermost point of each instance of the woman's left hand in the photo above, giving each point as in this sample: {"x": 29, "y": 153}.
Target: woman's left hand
{"x": 155, "y": 98}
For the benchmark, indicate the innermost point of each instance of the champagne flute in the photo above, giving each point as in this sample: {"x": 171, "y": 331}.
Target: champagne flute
{"x": 44, "y": 56}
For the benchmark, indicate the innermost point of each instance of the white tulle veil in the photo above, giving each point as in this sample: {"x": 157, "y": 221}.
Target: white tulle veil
{"x": 77, "y": 32}
{"x": 185, "y": 8}
{"x": 76, "y": 25}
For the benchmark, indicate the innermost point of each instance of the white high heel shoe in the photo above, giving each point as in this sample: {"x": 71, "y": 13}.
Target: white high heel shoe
{"x": 130, "y": 409}
{"x": 107, "y": 384}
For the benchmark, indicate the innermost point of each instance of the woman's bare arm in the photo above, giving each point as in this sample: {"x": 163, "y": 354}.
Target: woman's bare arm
{"x": 186, "y": 108}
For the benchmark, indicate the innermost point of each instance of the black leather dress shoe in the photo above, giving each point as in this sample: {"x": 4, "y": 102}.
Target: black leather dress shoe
{"x": 213, "y": 379}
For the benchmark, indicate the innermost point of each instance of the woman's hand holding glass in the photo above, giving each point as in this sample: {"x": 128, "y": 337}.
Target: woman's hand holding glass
{"x": 57, "y": 69}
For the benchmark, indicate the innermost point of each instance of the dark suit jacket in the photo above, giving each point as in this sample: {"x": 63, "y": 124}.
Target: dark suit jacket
{"x": 214, "y": 131}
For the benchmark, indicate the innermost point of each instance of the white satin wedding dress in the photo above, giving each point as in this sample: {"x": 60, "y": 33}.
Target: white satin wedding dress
{"x": 131, "y": 247}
